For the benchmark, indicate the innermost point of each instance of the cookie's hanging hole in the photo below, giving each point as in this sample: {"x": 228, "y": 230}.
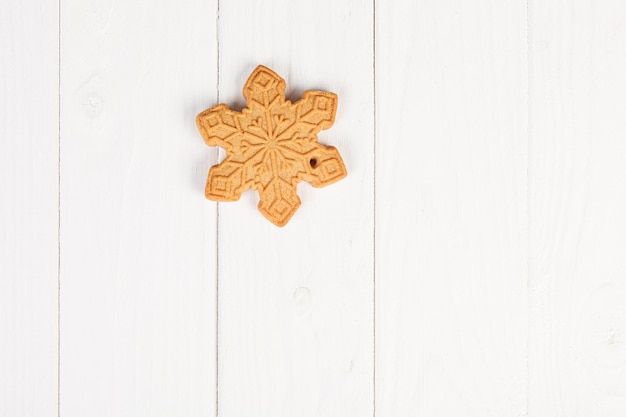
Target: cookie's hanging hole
{"x": 313, "y": 162}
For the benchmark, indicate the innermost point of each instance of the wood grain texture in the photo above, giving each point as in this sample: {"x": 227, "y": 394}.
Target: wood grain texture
{"x": 29, "y": 71}
{"x": 451, "y": 208}
{"x": 499, "y": 231}
{"x": 295, "y": 303}
{"x": 138, "y": 237}
{"x": 577, "y": 352}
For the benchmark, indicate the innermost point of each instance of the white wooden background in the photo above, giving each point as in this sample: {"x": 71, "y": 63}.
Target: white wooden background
{"x": 473, "y": 262}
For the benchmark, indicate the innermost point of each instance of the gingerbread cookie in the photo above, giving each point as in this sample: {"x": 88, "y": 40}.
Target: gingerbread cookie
{"x": 271, "y": 145}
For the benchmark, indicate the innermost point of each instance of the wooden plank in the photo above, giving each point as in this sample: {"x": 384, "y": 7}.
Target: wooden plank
{"x": 295, "y": 303}
{"x": 29, "y": 211}
{"x": 577, "y": 352}
{"x": 451, "y": 208}
{"x": 138, "y": 237}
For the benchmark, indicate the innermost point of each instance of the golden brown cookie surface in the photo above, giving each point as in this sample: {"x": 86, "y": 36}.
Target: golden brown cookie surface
{"x": 271, "y": 145}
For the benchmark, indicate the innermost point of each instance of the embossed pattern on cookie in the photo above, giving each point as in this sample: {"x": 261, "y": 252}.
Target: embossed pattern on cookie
{"x": 271, "y": 145}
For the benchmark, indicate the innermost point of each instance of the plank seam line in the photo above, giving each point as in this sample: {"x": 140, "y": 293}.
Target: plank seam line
{"x": 59, "y": 212}
{"x": 528, "y": 226}
{"x": 217, "y": 232}
{"x": 374, "y": 213}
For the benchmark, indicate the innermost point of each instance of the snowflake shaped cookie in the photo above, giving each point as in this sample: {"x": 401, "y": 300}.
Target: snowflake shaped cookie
{"x": 271, "y": 145}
